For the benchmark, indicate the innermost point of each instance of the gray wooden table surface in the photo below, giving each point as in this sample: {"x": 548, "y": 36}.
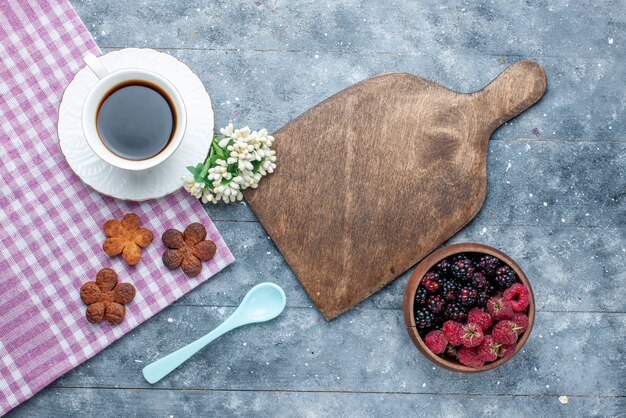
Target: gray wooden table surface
{"x": 556, "y": 203}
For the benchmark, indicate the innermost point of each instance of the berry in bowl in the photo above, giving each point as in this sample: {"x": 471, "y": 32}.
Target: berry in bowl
{"x": 468, "y": 307}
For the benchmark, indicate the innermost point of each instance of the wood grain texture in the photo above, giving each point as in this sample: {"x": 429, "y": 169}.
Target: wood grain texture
{"x": 377, "y": 176}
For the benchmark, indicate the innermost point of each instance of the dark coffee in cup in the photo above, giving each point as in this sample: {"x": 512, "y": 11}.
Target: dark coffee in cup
{"x": 136, "y": 120}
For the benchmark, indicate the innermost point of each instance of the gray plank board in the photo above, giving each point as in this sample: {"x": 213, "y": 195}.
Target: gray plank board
{"x": 268, "y": 89}
{"x": 571, "y": 268}
{"x": 429, "y": 27}
{"x": 556, "y": 183}
{"x": 365, "y": 350}
{"x": 265, "y": 62}
{"x": 172, "y": 403}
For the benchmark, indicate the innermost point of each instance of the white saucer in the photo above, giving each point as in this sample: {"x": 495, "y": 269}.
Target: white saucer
{"x": 155, "y": 182}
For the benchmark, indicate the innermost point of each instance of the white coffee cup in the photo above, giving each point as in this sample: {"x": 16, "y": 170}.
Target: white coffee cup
{"x": 106, "y": 84}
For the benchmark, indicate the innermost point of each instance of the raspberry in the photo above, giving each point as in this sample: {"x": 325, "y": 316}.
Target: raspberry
{"x": 479, "y": 280}
{"x": 472, "y": 335}
{"x": 421, "y": 295}
{"x": 435, "y": 303}
{"x": 521, "y": 320}
{"x": 488, "y": 350}
{"x": 469, "y": 357}
{"x": 507, "y": 350}
{"x": 505, "y": 276}
{"x": 480, "y": 317}
{"x": 499, "y": 308}
{"x": 451, "y": 351}
{"x": 453, "y": 331}
{"x": 431, "y": 281}
{"x": 505, "y": 332}
{"x": 488, "y": 264}
{"x": 519, "y": 296}
{"x": 468, "y": 296}
{"x": 436, "y": 341}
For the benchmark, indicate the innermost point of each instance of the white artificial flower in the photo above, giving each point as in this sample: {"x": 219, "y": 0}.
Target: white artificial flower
{"x": 193, "y": 187}
{"x": 219, "y": 172}
{"x": 224, "y": 142}
{"x": 188, "y": 181}
{"x": 242, "y": 133}
{"x": 245, "y": 165}
{"x": 267, "y": 168}
{"x": 208, "y": 196}
{"x": 227, "y": 131}
{"x": 228, "y": 192}
{"x": 244, "y": 147}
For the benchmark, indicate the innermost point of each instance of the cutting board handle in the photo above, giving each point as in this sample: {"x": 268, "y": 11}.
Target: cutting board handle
{"x": 513, "y": 91}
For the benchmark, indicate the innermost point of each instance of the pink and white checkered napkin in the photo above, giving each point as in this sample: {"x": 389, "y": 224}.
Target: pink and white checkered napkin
{"x": 50, "y": 221}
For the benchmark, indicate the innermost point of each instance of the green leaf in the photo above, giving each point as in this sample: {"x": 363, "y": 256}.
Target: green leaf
{"x": 195, "y": 171}
{"x": 220, "y": 153}
{"x": 256, "y": 165}
{"x": 233, "y": 169}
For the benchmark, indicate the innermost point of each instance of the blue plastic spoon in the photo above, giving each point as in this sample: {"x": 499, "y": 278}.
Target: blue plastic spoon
{"x": 263, "y": 302}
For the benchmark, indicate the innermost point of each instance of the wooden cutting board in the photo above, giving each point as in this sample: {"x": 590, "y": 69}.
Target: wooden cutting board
{"x": 374, "y": 178}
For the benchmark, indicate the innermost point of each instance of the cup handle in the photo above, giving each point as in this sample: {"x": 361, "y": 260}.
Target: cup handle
{"x": 95, "y": 65}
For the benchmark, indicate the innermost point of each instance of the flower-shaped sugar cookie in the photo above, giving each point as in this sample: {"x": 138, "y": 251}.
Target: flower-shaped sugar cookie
{"x": 187, "y": 250}
{"x": 105, "y": 298}
{"x": 126, "y": 237}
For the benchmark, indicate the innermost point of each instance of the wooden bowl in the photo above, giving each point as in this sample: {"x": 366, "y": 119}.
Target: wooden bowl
{"x": 409, "y": 300}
